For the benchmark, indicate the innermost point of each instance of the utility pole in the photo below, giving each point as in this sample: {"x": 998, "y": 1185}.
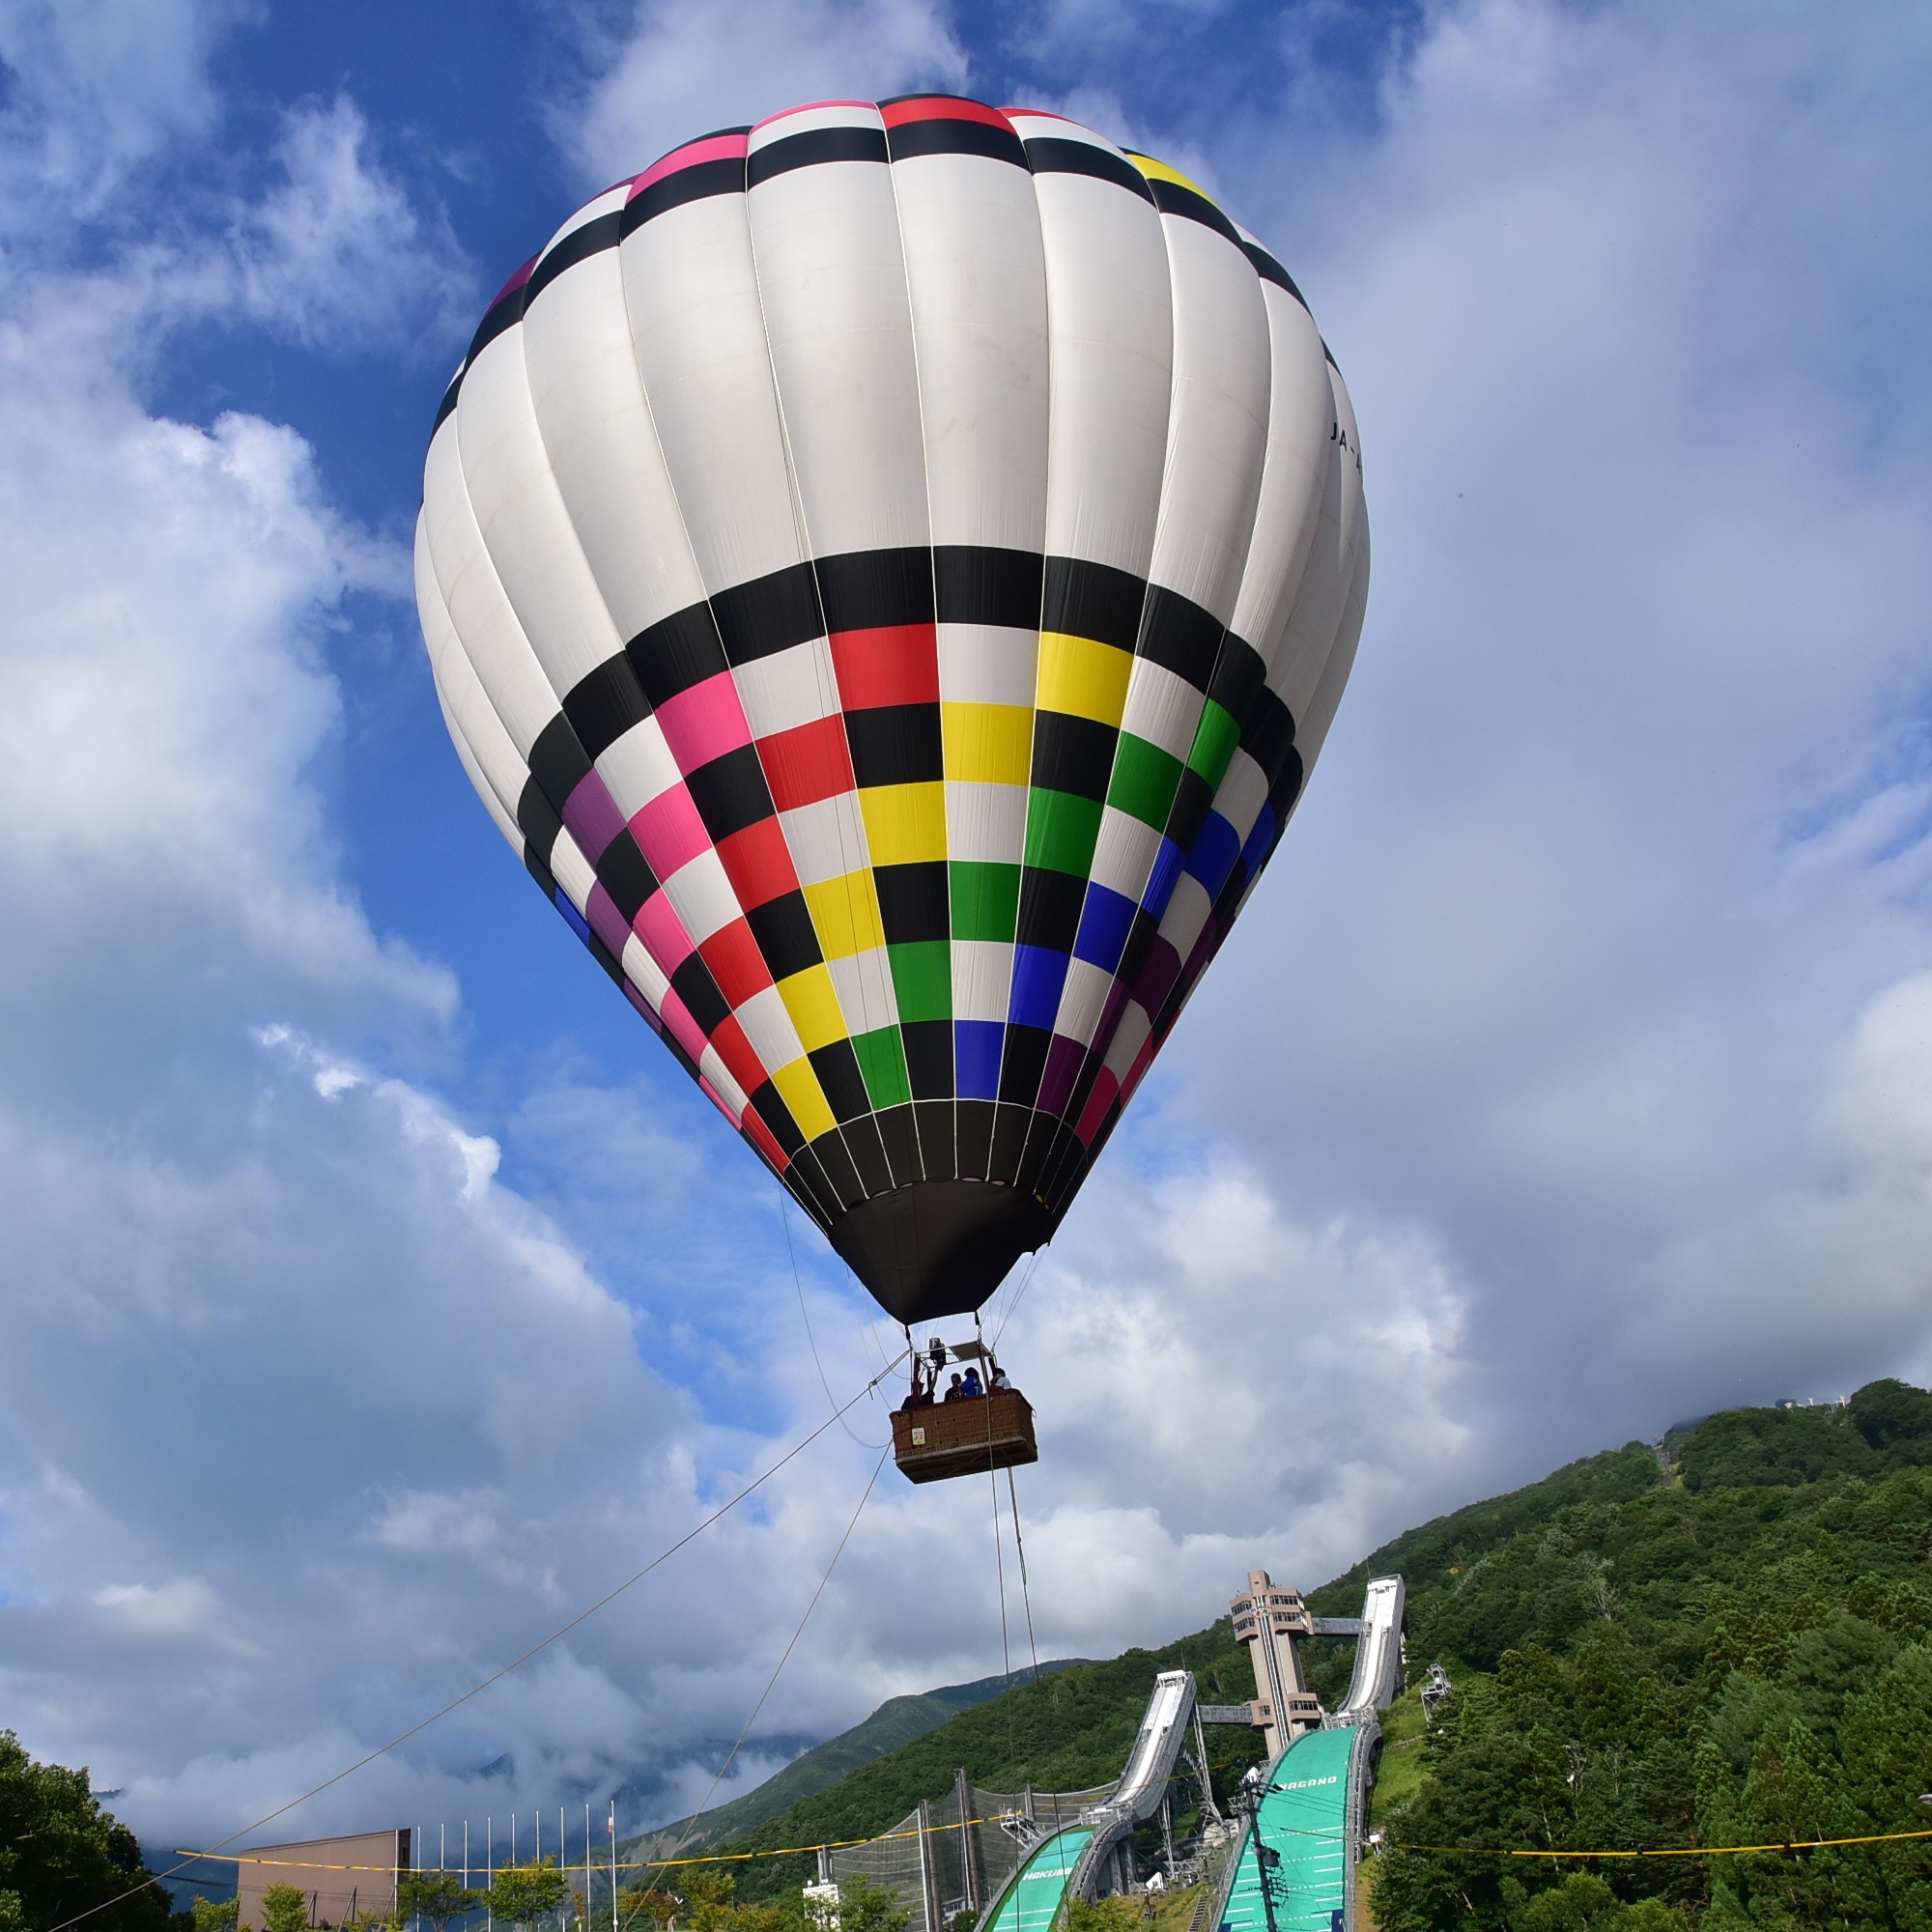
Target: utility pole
{"x": 1267, "y": 1860}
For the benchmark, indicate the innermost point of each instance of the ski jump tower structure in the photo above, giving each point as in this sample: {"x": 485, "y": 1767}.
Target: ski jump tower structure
{"x": 1270, "y": 1621}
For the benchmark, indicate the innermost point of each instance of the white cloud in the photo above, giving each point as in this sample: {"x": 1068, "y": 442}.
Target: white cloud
{"x": 1220, "y": 1386}
{"x": 1621, "y": 829}
{"x": 339, "y": 253}
{"x": 182, "y": 1612}
{"x": 672, "y": 72}
{"x": 158, "y": 691}
{"x": 101, "y": 85}
{"x": 366, "y": 1380}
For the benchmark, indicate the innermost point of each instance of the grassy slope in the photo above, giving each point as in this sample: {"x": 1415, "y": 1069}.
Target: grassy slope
{"x": 1403, "y": 1769}
{"x": 896, "y": 1722}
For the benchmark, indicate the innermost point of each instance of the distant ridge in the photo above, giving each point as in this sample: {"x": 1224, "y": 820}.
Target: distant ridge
{"x": 897, "y": 1722}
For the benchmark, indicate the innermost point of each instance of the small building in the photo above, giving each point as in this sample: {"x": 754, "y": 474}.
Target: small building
{"x": 343, "y": 1879}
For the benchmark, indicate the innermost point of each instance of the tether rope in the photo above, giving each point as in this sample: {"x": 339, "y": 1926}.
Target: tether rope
{"x": 999, "y": 1558}
{"x": 663, "y": 1556}
{"x": 1026, "y": 1593}
{"x": 797, "y": 1282}
{"x": 784, "y": 1657}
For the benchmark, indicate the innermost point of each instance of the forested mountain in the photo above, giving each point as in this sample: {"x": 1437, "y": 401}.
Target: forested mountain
{"x": 1738, "y": 1655}
{"x": 1074, "y": 1731}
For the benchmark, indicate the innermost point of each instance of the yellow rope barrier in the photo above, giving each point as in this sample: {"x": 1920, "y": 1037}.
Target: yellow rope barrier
{"x": 1658, "y": 1852}
{"x": 1285, "y": 1831}
{"x": 1667, "y": 1852}
{"x": 888, "y": 1837}
{"x": 628, "y": 1865}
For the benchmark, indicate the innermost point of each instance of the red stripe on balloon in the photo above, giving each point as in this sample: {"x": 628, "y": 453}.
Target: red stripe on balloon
{"x": 896, "y": 663}
{"x": 941, "y": 107}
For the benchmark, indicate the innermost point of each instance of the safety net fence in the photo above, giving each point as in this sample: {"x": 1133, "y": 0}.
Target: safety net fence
{"x": 955, "y": 1854}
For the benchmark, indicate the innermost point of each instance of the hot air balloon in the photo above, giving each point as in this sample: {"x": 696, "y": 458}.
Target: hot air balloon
{"x": 889, "y": 572}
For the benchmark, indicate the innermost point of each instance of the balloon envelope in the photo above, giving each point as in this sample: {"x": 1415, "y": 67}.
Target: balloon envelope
{"x": 889, "y": 572}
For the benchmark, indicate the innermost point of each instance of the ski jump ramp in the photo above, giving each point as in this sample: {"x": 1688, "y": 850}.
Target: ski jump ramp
{"x": 1310, "y": 1816}
{"x": 1143, "y": 1786}
{"x": 1068, "y": 1863}
{"x": 1376, "y": 1682}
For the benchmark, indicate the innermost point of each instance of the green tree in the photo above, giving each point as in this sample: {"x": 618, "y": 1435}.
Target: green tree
{"x": 1827, "y": 1666}
{"x": 647, "y": 1905}
{"x": 1886, "y": 1744}
{"x": 61, "y": 1854}
{"x": 1795, "y": 1794}
{"x": 1104, "y": 1915}
{"x": 1580, "y": 1903}
{"x": 709, "y": 1899}
{"x": 285, "y": 1909}
{"x": 1893, "y": 1415}
{"x": 866, "y": 1907}
{"x": 438, "y": 1896}
{"x": 214, "y": 1915}
{"x": 522, "y": 1895}
{"x": 1583, "y": 1902}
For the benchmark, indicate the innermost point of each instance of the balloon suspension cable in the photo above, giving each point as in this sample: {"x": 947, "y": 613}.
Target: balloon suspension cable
{"x": 872, "y": 1336}
{"x": 1025, "y": 1282}
{"x": 771, "y": 1682}
{"x": 797, "y": 1282}
{"x": 476, "y": 1690}
{"x": 999, "y": 1561}
{"x": 1026, "y": 1593}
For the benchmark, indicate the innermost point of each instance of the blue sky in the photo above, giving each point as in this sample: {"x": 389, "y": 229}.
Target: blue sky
{"x": 377, "y": 1291}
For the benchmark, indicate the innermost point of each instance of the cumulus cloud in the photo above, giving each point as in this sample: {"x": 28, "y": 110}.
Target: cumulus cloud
{"x": 340, "y": 253}
{"x": 1621, "y": 832}
{"x": 425, "y": 1381}
{"x": 100, "y": 86}
{"x": 666, "y": 74}
{"x": 1228, "y": 1371}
